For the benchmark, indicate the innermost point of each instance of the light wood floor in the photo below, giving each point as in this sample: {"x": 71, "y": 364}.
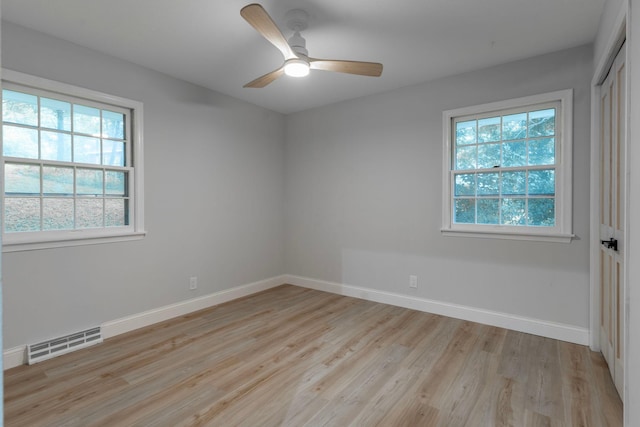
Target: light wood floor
{"x": 297, "y": 357}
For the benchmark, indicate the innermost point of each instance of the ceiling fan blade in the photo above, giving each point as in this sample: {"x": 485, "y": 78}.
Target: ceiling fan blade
{"x": 373, "y": 69}
{"x": 262, "y": 81}
{"x": 259, "y": 19}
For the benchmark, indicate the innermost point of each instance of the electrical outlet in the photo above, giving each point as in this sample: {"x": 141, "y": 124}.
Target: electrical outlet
{"x": 413, "y": 281}
{"x": 193, "y": 283}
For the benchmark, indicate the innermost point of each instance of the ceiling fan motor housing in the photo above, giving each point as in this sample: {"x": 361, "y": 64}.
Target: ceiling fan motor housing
{"x": 297, "y": 20}
{"x": 298, "y": 44}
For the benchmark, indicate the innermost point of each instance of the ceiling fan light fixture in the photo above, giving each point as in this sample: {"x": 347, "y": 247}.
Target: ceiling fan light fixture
{"x": 296, "y": 67}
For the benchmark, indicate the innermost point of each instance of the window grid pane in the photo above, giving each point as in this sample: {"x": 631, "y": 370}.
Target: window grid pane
{"x": 42, "y": 197}
{"x": 504, "y": 169}
{"x": 506, "y": 141}
{"x": 45, "y": 141}
{"x": 525, "y": 198}
{"x": 22, "y": 214}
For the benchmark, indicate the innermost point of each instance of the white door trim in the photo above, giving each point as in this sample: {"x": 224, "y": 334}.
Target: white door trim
{"x": 617, "y": 37}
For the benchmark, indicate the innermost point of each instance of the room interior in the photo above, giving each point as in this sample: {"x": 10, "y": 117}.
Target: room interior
{"x": 331, "y": 182}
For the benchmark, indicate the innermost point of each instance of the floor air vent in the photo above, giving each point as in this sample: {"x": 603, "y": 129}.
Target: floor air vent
{"x": 57, "y": 346}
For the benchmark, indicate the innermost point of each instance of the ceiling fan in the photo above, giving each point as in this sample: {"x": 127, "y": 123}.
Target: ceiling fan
{"x": 296, "y": 58}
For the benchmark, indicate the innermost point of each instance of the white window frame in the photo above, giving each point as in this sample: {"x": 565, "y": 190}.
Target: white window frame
{"x": 24, "y": 241}
{"x": 562, "y": 231}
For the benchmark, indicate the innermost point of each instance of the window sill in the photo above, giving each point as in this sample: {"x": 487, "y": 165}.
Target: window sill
{"x": 20, "y": 246}
{"x": 510, "y": 235}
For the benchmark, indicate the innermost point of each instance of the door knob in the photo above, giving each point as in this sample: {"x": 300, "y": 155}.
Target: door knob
{"x": 610, "y": 244}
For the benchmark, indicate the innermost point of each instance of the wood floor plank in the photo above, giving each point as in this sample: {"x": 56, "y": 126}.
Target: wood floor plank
{"x": 544, "y": 386}
{"x": 387, "y": 398}
{"x": 440, "y": 377}
{"x": 291, "y": 356}
{"x": 351, "y": 400}
{"x": 494, "y": 407}
{"x": 467, "y": 389}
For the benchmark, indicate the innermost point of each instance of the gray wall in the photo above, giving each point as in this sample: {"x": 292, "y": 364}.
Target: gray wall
{"x": 606, "y": 27}
{"x": 363, "y": 194}
{"x": 213, "y": 192}
{"x": 360, "y": 182}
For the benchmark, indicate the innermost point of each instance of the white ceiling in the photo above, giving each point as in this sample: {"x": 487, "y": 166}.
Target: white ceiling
{"x": 207, "y": 42}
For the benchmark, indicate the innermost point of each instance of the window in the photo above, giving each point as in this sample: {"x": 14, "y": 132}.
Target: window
{"x": 72, "y": 165}
{"x": 507, "y": 169}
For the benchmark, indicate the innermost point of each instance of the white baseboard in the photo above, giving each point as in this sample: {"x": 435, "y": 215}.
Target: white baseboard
{"x": 17, "y": 355}
{"x": 140, "y": 320}
{"x": 14, "y": 357}
{"x": 529, "y": 325}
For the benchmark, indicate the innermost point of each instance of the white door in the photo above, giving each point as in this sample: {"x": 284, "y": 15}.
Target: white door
{"x": 612, "y": 217}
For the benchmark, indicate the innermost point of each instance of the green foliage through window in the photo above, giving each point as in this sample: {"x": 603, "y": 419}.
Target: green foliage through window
{"x": 504, "y": 169}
